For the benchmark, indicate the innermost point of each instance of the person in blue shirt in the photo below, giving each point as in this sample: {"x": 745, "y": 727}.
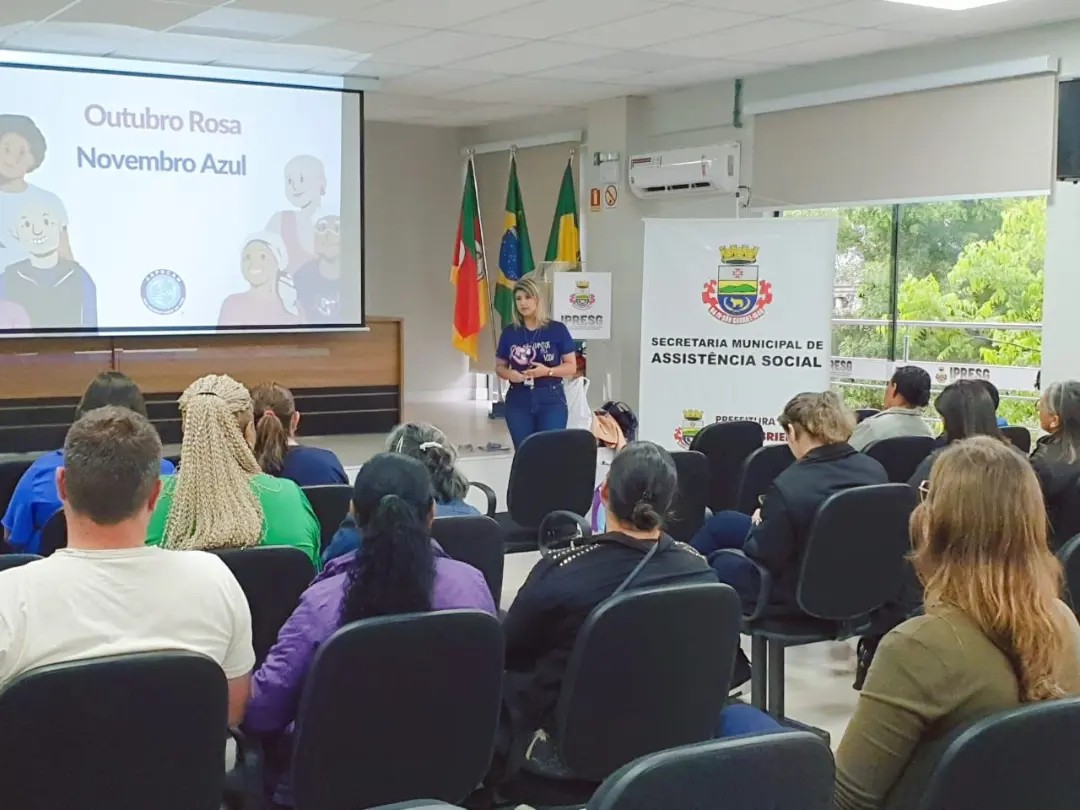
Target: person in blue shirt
{"x": 533, "y": 355}
{"x": 35, "y": 499}
{"x": 278, "y": 452}
{"x": 428, "y": 444}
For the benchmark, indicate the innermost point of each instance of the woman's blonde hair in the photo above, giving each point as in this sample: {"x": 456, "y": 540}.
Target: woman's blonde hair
{"x": 528, "y": 285}
{"x": 213, "y": 505}
{"x": 821, "y": 416}
{"x": 980, "y": 546}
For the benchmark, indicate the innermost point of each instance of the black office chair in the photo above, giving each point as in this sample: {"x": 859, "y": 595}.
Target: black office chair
{"x": 726, "y": 445}
{"x": 790, "y": 770}
{"x": 862, "y": 414}
{"x": 901, "y": 455}
{"x": 273, "y": 578}
{"x": 687, "y": 513}
{"x": 10, "y": 473}
{"x": 650, "y": 670}
{"x": 54, "y": 534}
{"x": 399, "y": 708}
{"x": 1019, "y": 436}
{"x": 1069, "y": 554}
{"x": 330, "y": 503}
{"x": 15, "y": 560}
{"x": 127, "y": 732}
{"x": 855, "y": 561}
{"x": 491, "y": 500}
{"x": 1021, "y": 758}
{"x": 476, "y": 540}
{"x": 758, "y": 472}
{"x": 552, "y": 471}
{"x": 422, "y": 804}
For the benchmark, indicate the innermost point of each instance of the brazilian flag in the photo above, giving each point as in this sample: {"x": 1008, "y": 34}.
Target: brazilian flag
{"x": 564, "y": 243}
{"x": 515, "y": 251}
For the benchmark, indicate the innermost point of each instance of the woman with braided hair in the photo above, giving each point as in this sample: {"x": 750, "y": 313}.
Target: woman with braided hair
{"x": 220, "y": 498}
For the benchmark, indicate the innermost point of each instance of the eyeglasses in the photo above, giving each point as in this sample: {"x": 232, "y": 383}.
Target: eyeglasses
{"x": 924, "y": 490}
{"x": 322, "y": 226}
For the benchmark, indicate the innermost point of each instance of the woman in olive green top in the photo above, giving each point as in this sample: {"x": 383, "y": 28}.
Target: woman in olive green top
{"x": 220, "y": 498}
{"x": 995, "y": 633}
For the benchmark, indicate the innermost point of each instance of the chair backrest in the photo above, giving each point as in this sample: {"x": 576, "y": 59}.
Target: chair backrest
{"x": 1069, "y": 554}
{"x": 398, "y": 708}
{"x": 865, "y": 413}
{"x": 552, "y": 471}
{"x": 10, "y": 473}
{"x": 273, "y": 578}
{"x": 15, "y": 560}
{"x": 330, "y": 503}
{"x": 54, "y": 533}
{"x": 788, "y": 770}
{"x": 856, "y": 554}
{"x": 476, "y": 540}
{"x": 758, "y": 472}
{"x": 1019, "y": 436}
{"x": 644, "y": 677}
{"x": 1021, "y": 758}
{"x": 688, "y": 511}
{"x": 126, "y": 732}
{"x": 726, "y": 445}
{"x": 901, "y": 455}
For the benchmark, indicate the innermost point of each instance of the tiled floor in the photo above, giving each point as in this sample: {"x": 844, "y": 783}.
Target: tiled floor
{"x": 818, "y": 676}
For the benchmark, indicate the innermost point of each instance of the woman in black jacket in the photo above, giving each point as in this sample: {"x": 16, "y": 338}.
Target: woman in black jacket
{"x": 817, "y": 427}
{"x": 1057, "y": 456}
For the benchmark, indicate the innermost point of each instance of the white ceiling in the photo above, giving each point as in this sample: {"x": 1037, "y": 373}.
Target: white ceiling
{"x": 469, "y": 62}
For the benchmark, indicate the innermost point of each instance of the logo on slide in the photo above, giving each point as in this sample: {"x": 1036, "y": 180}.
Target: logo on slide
{"x": 163, "y": 292}
{"x": 738, "y": 295}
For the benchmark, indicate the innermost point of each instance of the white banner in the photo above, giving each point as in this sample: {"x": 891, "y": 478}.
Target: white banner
{"x": 582, "y": 301}
{"x": 942, "y": 372}
{"x": 735, "y": 320}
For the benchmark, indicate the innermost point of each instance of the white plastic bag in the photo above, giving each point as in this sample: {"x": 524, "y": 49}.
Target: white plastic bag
{"x": 579, "y": 414}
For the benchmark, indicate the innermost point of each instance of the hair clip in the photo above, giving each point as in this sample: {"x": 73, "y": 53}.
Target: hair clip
{"x": 429, "y": 445}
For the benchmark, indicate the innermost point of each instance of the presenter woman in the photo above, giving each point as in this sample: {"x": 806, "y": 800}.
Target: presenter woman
{"x": 534, "y": 354}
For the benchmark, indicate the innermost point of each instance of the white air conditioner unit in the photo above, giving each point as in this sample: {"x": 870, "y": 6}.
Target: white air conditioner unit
{"x": 701, "y": 170}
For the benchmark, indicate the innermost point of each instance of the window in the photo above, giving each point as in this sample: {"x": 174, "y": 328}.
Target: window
{"x": 955, "y": 287}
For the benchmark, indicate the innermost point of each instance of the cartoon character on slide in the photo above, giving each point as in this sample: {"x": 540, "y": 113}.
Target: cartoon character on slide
{"x": 305, "y": 187}
{"x": 318, "y": 283}
{"x": 262, "y": 262}
{"x": 54, "y": 291}
{"x": 22, "y": 150}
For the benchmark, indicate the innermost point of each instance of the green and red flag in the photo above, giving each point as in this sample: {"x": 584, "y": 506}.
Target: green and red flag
{"x": 468, "y": 273}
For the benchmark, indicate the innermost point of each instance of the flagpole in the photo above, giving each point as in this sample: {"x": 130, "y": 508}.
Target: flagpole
{"x": 487, "y": 275}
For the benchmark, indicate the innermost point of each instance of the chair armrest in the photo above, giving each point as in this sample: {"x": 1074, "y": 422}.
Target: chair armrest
{"x": 244, "y": 783}
{"x": 489, "y": 493}
{"x": 561, "y": 517}
{"x": 765, "y": 577}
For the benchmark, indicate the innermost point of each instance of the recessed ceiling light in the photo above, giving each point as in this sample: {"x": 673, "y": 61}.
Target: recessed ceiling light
{"x": 949, "y": 5}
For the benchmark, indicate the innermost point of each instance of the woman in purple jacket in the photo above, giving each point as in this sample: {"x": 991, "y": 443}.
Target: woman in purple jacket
{"x": 398, "y": 569}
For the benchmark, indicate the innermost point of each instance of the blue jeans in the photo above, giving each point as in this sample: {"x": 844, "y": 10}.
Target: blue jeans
{"x": 534, "y": 410}
{"x": 730, "y": 530}
{"x": 737, "y": 719}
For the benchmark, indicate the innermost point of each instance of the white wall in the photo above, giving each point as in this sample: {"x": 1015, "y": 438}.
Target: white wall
{"x": 413, "y": 181}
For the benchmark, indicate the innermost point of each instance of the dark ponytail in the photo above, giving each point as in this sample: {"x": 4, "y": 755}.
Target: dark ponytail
{"x": 641, "y": 485}
{"x": 394, "y": 570}
{"x": 274, "y": 410}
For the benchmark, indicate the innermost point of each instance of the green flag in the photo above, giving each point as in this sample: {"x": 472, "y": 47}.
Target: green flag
{"x": 515, "y": 251}
{"x": 564, "y": 243}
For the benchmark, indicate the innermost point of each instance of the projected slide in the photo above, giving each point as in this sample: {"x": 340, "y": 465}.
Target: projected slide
{"x": 134, "y": 203}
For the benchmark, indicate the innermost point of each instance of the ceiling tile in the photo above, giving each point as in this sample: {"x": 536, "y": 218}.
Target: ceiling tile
{"x": 532, "y": 56}
{"x": 754, "y": 36}
{"x": 433, "y": 13}
{"x": 224, "y": 21}
{"x": 585, "y": 72}
{"x": 1002, "y": 17}
{"x": 346, "y": 67}
{"x": 173, "y": 47}
{"x": 549, "y": 18}
{"x": 437, "y": 82}
{"x": 711, "y": 71}
{"x": 867, "y": 13}
{"x": 364, "y": 37}
{"x": 19, "y": 11}
{"x": 322, "y": 8}
{"x": 147, "y": 14}
{"x": 642, "y": 61}
{"x": 769, "y": 7}
{"x": 673, "y": 22}
{"x": 296, "y": 58}
{"x": 91, "y": 40}
{"x": 443, "y": 47}
{"x": 522, "y": 89}
{"x": 853, "y": 43}
{"x": 370, "y": 68}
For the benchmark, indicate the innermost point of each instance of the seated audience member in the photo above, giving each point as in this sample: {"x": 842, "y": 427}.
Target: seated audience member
{"x": 1057, "y": 454}
{"x": 817, "y": 427}
{"x": 614, "y": 424}
{"x": 398, "y": 569}
{"x": 995, "y": 397}
{"x": 906, "y": 395}
{"x": 995, "y": 633}
{"x": 220, "y": 498}
{"x": 428, "y": 444}
{"x": 564, "y": 587}
{"x": 967, "y": 409}
{"x": 107, "y": 593}
{"x": 35, "y": 499}
{"x": 276, "y": 448}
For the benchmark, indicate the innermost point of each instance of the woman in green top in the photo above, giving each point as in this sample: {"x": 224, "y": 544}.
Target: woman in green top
{"x": 220, "y": 498}
{"x": 995, "y": 633}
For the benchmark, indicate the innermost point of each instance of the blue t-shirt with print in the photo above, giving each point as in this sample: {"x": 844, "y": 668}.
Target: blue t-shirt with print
{"x": 519, "y": 348}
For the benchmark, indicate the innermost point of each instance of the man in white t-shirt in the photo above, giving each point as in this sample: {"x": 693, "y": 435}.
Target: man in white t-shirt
{"x": 108, "y": 592}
